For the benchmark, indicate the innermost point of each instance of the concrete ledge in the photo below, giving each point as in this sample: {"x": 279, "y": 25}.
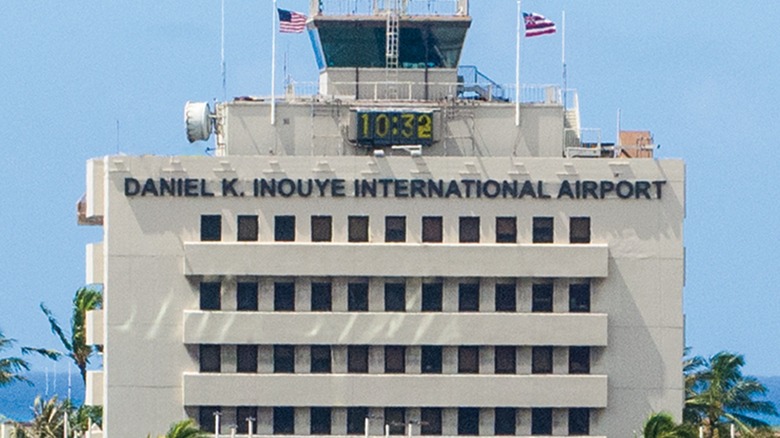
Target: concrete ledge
{"x": 95, "y": 328}
{"x": 338, "y": 390}
{"x": 94, "y": 263}
{"x": 396, "y": 259}
{"x": 94, "y": 389}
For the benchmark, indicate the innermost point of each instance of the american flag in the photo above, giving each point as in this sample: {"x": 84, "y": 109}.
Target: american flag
{"x": 536, "y": 25}
{"x": 291, "y": 21}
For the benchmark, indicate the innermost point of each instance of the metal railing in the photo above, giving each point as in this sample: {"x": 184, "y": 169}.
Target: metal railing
{"x": 378, "y": 7}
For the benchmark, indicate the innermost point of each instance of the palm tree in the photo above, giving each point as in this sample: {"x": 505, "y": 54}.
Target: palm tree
{"x": 719, "y": 395}
{"x": 662, "y": 425}
{"x": 48, "y": 420}
{"x": 75, "y": 344}
{"x": 184, "y": 429}
{"x": 11, "y": 367}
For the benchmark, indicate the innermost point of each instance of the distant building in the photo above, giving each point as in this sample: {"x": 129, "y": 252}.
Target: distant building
{"x": 392, "y": 252}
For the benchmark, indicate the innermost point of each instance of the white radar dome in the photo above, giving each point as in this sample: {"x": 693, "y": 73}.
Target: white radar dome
{"x": 197, "y": 121}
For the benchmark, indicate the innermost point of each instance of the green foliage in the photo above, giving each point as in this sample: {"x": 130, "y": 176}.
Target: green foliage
{"x": 662, "y": 425}
{"x": 718, "y": 395}
{"x": 49, "y": 419}
{"x": 75, "y": 343}
{"x": 11, "y": 368}
{"x": 184, "y": 429}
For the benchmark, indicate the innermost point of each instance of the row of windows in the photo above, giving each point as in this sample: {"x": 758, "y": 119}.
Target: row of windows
{"x": 431, "y": 359}
{"x": 394, "y": 297}
{"x": 395, "y": 229}
{"x": 505, "y": 420}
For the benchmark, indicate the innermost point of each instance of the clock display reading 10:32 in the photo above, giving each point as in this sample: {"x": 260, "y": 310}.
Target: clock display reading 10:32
{"x": 387, "y": 128}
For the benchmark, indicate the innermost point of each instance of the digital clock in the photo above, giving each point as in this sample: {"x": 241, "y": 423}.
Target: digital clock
{"x": 387, "y": 128}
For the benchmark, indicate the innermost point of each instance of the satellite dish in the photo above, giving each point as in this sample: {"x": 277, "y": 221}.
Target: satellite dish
{"x": 197, "y": 121}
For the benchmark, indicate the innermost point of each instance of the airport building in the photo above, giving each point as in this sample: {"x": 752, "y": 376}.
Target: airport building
{"x": 412, "y": 249}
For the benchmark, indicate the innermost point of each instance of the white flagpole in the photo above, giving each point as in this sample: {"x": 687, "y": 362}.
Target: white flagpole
{"x": 517, "y": 64}
{"x": 273, "y": 64}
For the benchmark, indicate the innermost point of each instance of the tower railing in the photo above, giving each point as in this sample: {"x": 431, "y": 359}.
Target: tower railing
{"x": 379, "y": 7}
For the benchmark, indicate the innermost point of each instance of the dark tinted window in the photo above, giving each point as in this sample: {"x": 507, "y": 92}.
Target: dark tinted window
{"x": 247, "y": 228}
{"x": 395, "y": 297}
{"x": 468, "y": 360}
{"x": 542, "y": 300}
{"x": 432, "y": 229}
{"x": 469, "y": 230}
{"x": 506, "y": 297}
{"x": 284, "y": 420}
{"x": 506, "y": 230}
{"x": 543, "y": 230}
{"x": 210, "y": 361}
{"x": 541, "y": 421}
{"x": 541, "y": 360}
{"x": 211, "y": 228}
{"x": 246, "y": 358}
{"x": 468, "y": 421}
{"x": 356, "y": 420}
{"x": 284, "y": 228}
{"x": 321, "y": 229}
{"x": 579, "y": 230}
{"x": 395, "y": 229}
{"x": 358, "y": 228}
{"x": 431, "y": 297}
{"x": 396, "y": 419}
{"x": 320, "y": 359}
{"x": 579, "y": 421}
{"x": 246, "y": 296}
{"x": 210, "y": 296}
{"x": 505, "y": 421}
{"x": 321, "y": 297}
{"x": 320, "y": 421}
{"x": 284, "y": 359}
{"x": 284, "y": 297}
{"x": 579, "y": 298}
{"x": 245, "y": 414}
{"x": 468, "y": 297}
{"x": 505, "y": 360}
{"x": 357, "y": 297}
{"x": 357, "y": 359}
{"x": 579, "y": 360}
{"x": 206, "y": 416}
{"x": 430, "y": 421}
{"x": 431, "y": 359}
{"x": 395, "y": 359}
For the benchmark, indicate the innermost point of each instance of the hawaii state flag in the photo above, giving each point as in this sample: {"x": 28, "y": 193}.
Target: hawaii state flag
{"x": 291, "y": 21}
{"x": 536, "y": 25}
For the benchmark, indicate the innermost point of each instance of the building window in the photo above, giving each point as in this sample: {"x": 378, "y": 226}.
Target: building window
{"x": 206, "y": 416}
{"x": 431, "y": 359}
{"x": 320, "y": 421}
{"x": 468, "y": 297}
{"x": 505, "y": 360}
{"x": 356, "y": 420}
{"x": 284, "y": 228}
{"x": 543, "y": 230}
{"x": 506, "y": 297}
{"x": 321, "y": 297}
{"x": 506, "y": 230}
{"x": 357, "y": 297}
{"x": 243, "y": 415}
{"x": 579, "y": 421}
{"x": 395, "y": 229}
{"x": 247, "y": 228}
{"x": 468, "y": 421}
{"x": 469, "y": 230}
{"x": 284, "y": 297}
{"x": 210, "y": 296}
{"x": 431, "y": 297}
{"x": 541, "y": 360}
{"x": 395, "y": 359}
{"x": 505, "y": 421}
{"x": 579, "y": 298}
{"x": 357, "y": 359}
{"x": 246, "y": 358}
{"x": 320, "y": 359}
{"x": 579, "y": 230}
{"x": 284, "y": 420}
{"x": 284, "y": 359}
{"x": 395, "y": 297}
{"x": 396, "y": 419}
{"x": 579, "y": 360}
{"x": 468, "y": 360}
{"x": 210, "y": 361}
{"x": 211, "y": 228}
{"x": 321, "y": 229}
{"x": 542, "y": 299}
{"x": 357, "y": 228}
{"x": 430, "y": 421}
{"x": 432, "y": 229}
{"x": 541, "y": 421}
{"x": 246, "y": 296}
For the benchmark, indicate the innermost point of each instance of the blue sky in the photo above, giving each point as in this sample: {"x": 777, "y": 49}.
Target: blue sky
{"x": 90, "y": 78}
